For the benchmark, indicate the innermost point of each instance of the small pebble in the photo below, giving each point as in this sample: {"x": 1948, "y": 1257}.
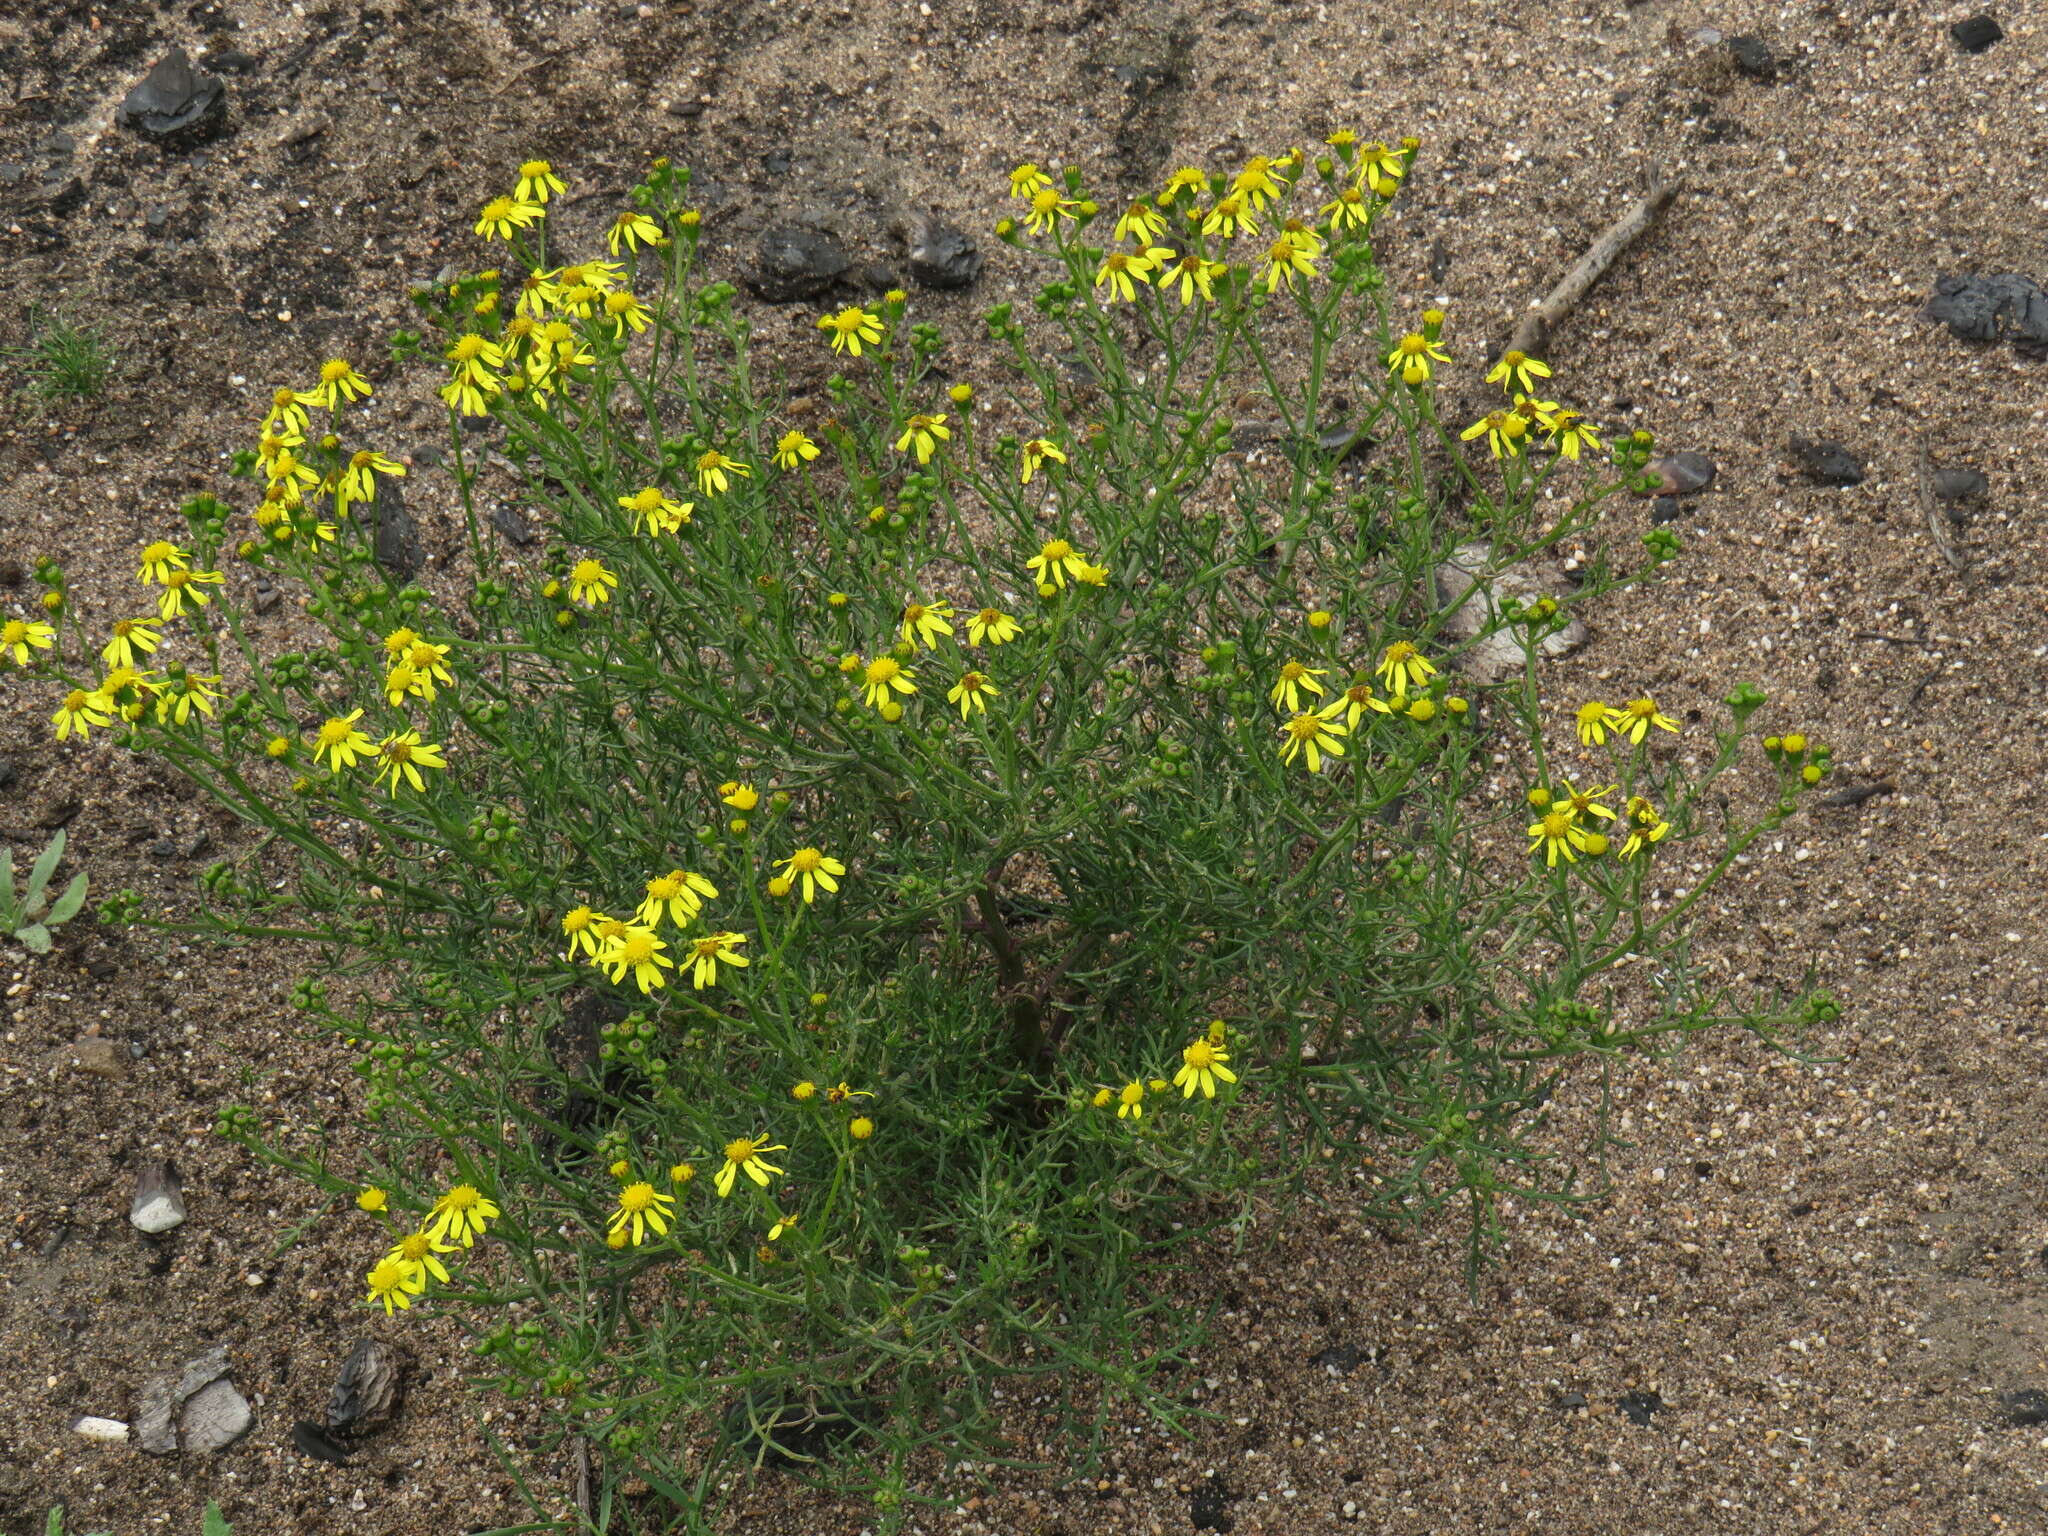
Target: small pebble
{"x": 1977, "y": 33}
{"x": 108, "y": 1431}
{"x": 159, "y": 1202}
{"x": 1680, "y": 474}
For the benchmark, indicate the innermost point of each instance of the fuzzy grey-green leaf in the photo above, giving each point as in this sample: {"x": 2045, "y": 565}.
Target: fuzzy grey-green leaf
{"x": 66, "y": 906}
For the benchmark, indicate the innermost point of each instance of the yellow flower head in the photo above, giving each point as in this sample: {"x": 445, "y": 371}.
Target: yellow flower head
{"x": 746, "y": 1154}
{"x": 883, "y": 675}
{"x": 1314, "y": 734}
{"x": 792, "y": 449}
{"x": 923, "y": 623}
{"x": 461, "y": 1215}
{"x": 1635, "y": 718}
{"x": 815, "y": 871}
{"x": 538, "y": 182}
{"x": 642, "y": 1208}
{"x": 1202, "y": 1065}
{"x": 922, "y": 434}
{"x": 1055, "y": 561}
{"x": 991, "y": 626}
{"x": 849, "y": 328}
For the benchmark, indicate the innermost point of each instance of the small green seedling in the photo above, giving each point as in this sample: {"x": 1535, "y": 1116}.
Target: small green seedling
{"x": 31, "y": 915}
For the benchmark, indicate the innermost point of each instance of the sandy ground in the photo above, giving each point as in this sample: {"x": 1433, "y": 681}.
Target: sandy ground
{"x": 1829, "y": 1276}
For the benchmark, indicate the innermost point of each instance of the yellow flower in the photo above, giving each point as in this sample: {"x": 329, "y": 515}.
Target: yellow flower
{"x": 1196, "y": 273}
{"x": 1257, "y": 182}
{"x": 792, "y": 449}
{"x": 1404, "y": 667}
{"x": 1103, "y": 1098}
{"x": 1559, "y": 834}
{"x": 850, "y": 327}
{"x": 1295, "y": 678}
{"x": 715, "y": 471}
{"x": 682, "y": 1173}
{"x": 579, "y": 926}
{"x": 175, "y": 706}
{"x": 842, "y": 1093}
{"x": 287, "y": 418}
{"x": 741, "y": 797}
{"x": 633, "y": 229}
{"x": 813, "y": 870}
{"x": 1646, "y": 826}
{"x": 1570, "y": 433}
{"x": 460, "y": 1215}
{"x": 1585, "y": 802}
{"x": 1028, "y": 179}
{"x": 339, "y": 384}
{"x": 642, "y": 1207}
{"x": 883, "y": 674}
{"x": 1141, "y": 222}
{"x": 706, "y": 954}
{"x": 640, "y": 951}
{"x": 1034, "y": 453}
{"x": 1504, "y": 432}
{"x": 1517, "y": 373}
{"x": 538, "y": 182}
{"x": 402, "y": 755}
{"x": 341, "y": 743}
{"x": 1122, "y": 270}
{"x": 1349, "y": 207}
{"x": 1047, "y": 209}
{"x": 926, "y": 432}
{"x": 1187, "y": 179}
{"x": 972, "y": 692}
{"x": 372, "y": 1199}
{"x": 503, "y": 217}
{"x": 804, "y": 1090}
{"x": 655, "y": 511}
{"x": 680, "y": 893}
{"x": 1315, "y": 734}
{"x": 991, "y": 626}
{"x": 1202, "y": 1063}
{"x": 1381, "y": 168}
{"x": 1593, "y": 723}
{"x": 1131, "y": 1102}
{"x": 160, "y": 559}
{"x": 1229, "y": 217}
{"x": 745, "y": 1155}
{"x": 359, "y": 481}
{"x": 182, "y": 587}
{"x": 622, "y": 309}
{"x": 1635, "y": 718}
{"x": 590, "y": 583}
{"x": 1287, "y": 258}
{"x": 421, "y": 1251}
{"x": 1413, "y": 356}
{"x": 19, "y": 635}
{"x": 860, "y": 1127}
{"x": 1359, "y": 698}
{"x": 1055, "y": 561}
{"x": 395, "y": 1283}
{"x": 925, "y": 622}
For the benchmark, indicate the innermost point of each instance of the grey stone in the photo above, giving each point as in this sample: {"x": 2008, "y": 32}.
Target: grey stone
{"x": 942, "y": 256}
{"x": 368, "y": 1387}
{"x": 1977, "y": 33}
{"x": 1753, "y": 58}
{"x": 512, "y": 523}
{"x": 792, "y": 263}
{"x": 175, "y": 104}
{"x": 1961, "y": 485}
{"x": 1991, "y": 307}
{"x": 1680, "y": 474}
{"x": 159, "y": 1202}
{"x": 94, "y": 1055}
{"x": 157, "y": 1404}
{"x": 1827, "y": 461}
{"x": 397, "y": 536}
{"x": 215, "y": 1417}
{"x": 1664, "y": 510}
{"x": 1499, "y": 654}
{"x": 266, "y": 596}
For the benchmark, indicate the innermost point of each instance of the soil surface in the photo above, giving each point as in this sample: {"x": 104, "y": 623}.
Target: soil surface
{"x": 1815, "y": 1290}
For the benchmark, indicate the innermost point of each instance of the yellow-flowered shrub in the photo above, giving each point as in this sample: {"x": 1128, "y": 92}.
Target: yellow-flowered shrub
{"x": 1079, "y": 783}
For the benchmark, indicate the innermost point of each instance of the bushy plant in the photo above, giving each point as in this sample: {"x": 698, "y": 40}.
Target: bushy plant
{"x": 895, "y": 859}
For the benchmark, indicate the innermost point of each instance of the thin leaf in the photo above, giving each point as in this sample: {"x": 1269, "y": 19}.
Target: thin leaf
{"x": 215, "y": 1523}
{"x": 44, "y": 867}
{"x": 54, "y": 1526}
{"x": 10, "y": 914}
{"x": 36, "y": 937}
{"x": 68, "y": 904}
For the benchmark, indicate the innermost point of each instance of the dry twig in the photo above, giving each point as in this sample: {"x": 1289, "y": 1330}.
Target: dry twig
{"x": 1924, "y": 478}
{"x": 1532, "y": 334}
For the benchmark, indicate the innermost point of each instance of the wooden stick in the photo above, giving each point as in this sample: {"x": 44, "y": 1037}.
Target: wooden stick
{"x": 1532, "y": 334}
{"x": 1924, "y": 474}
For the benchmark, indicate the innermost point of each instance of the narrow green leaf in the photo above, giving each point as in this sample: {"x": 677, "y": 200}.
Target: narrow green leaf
{"x": 44, "y": 867}
{"x": 10, "y": 914}
{"x": 54, "y": 1526}
{"x": 68, "y": 904}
